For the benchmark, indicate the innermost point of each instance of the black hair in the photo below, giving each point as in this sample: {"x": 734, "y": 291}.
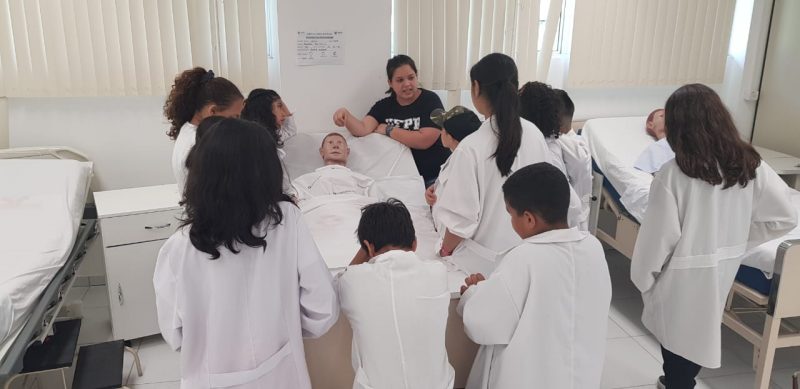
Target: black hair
{"x": 496, "y": 74}
{"x": 386, "y": 223}
{"x": 258, "y": 108}
{"x": 395, "y": 63}
{"x": 202, "y": 129}
{"x": 540, "y": 105}
{"x": 541, "y": 189}
{"x": 233, "y": 186}
{"x": 191, "y": 91}
{"x": 567, "y": 108}
{"x": 206, "y": 125}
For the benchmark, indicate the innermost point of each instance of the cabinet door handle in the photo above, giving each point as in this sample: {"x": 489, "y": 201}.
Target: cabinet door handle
{"x": 157, "y": 227}
{"x": 120, "y": 297}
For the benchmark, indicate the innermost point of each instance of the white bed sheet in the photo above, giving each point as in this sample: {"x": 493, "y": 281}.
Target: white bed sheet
{"x": 373, "y": 155}
{"x": 41, "y": 205}
{"x": 615, "y": 143}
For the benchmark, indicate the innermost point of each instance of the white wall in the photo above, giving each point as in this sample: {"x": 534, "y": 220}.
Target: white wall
{"x": 3, "y": 122}
{"x": 124, "y": 136}
{"x": 315, "y": 92}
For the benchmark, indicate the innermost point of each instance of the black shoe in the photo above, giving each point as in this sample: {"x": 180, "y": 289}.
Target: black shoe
{"x": 661, "y": 383}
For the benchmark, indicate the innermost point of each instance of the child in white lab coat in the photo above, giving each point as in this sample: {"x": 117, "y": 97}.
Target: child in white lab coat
{"x": 397, "y": 305}
{"x": 457, "y": 123}
{"x": 542, "y": 106}
{"x": 265, "y": 107}
{"x": 707, "y": 207}
{"x": 195, "y": 95}
{"x": 241, "y": 282}
{"x": 541, "y": 316}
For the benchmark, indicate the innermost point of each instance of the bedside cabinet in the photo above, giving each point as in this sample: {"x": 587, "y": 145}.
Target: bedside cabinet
{"x": 134, "y": 224}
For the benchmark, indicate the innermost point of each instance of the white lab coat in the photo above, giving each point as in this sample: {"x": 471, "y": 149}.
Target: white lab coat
{"x": 574, "y": 161}
{"x": 688, "y": 251}
{"x": 239, "y": 320}
{"x": 397, "y": 305}
{"x": 470, "y": 203}
{"x": 183, "y": 144}
{"x": 330, "y": 180}
{"x": 578, "y": 167}
{"x": 654, "y": 156}
{"x": 541, "y": 317}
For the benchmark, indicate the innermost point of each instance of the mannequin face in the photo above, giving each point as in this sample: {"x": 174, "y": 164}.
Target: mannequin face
{"x": 334, "y": 150}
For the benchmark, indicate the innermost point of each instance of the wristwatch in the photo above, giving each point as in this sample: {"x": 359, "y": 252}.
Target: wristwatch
{"x": 389, "y": 128}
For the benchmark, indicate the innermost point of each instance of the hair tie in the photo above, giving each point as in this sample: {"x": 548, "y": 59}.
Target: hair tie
{"x": 207, "y": 77}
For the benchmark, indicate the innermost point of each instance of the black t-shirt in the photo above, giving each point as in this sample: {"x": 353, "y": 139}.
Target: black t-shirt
{"x": 413, "y": 117}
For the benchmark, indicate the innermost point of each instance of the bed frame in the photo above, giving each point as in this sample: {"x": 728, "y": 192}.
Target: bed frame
{"x": 45, "y": 312}
{"x": 619, "y": 230}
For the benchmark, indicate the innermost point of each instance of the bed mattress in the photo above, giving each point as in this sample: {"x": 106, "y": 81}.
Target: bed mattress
{"x": 41, "y": 205}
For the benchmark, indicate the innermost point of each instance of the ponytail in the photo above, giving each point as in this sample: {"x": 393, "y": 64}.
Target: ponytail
{"x": 496, "y": 74}
{"x": 192, "y": 90}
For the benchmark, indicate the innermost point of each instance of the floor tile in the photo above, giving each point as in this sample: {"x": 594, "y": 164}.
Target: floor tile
{"x": 627, "y": 313}
{"x": 783, "y": 377}
{"x": 159, "y": 362}
{"x": 75, "y": 293}
{"x": 95, "y": 297}
{"x": 96, "y": 326}
{"x": 614, "y": 331}
{"x": 736, "y": 381}
{"x": 159, "y": 385}
{"x": 627, "y": 364}
{"x": 651, "y": 345}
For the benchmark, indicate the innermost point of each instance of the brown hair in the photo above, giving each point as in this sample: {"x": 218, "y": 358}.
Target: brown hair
{"x": 330, "y": 134}
{"x": 706, "y": 143}
{"x": 192, "y": 90}
{"x": 650, "y": 119}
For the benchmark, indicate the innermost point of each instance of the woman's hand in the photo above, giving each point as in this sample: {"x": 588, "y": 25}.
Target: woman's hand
{"x": 430, "y": 195}
{"x": 340, "y": 117}
{"x": 473, "y": 279}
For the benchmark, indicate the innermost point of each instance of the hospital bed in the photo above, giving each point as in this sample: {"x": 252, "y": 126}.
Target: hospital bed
{"x": 615, "y": 144}
{"x": 392, "y": 167}
{"x": 44, "y": 236}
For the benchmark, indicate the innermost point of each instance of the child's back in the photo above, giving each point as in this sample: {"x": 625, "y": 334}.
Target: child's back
{"x": 541, "y": 317}
{"x": 397, "y": 307}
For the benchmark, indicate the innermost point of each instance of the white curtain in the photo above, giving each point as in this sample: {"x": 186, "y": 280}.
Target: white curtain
{"x": 446, "y": 37}
{"x": 127, "y": 47}
{"x": 649, "y": 42}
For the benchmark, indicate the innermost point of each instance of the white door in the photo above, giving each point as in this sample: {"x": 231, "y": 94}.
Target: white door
{"x": 130, "y": 287}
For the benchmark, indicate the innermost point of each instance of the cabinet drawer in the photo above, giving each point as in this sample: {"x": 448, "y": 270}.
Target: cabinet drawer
{"x": 140, "y": 227}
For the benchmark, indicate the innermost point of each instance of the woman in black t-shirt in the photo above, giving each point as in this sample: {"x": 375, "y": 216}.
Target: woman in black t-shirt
{"x": 404, "y": 116}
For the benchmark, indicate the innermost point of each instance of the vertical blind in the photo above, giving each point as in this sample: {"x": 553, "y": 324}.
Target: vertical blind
{"x": 649, "y": 42}
{"x": 445, "y": 37}
{"x": 127, "y": 47}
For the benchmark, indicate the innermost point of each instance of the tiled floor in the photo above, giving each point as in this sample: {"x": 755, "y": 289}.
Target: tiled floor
{"x": 633, "y": 357}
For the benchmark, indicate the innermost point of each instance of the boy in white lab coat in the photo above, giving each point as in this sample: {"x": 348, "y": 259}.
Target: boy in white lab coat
{"x": 541, "y": 316}
{"x": 397, "y": 305}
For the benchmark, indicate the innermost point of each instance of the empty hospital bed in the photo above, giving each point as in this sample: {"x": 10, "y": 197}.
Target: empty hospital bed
{"x": 43, "y": 235}
{"x": 615, "y": 144}
{"x": 392, "y": 167}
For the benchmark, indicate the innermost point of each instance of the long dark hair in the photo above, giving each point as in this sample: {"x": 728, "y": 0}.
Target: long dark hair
{"x": 233, "y": 186}
{"x": 258, "y": 108}
{"x": 540, "y": 105}
{"x": 396, "y": 62}
{"x": 192, "y": 90}
{"x": 706, "y": 143}
{"x": 496, "y": 74}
